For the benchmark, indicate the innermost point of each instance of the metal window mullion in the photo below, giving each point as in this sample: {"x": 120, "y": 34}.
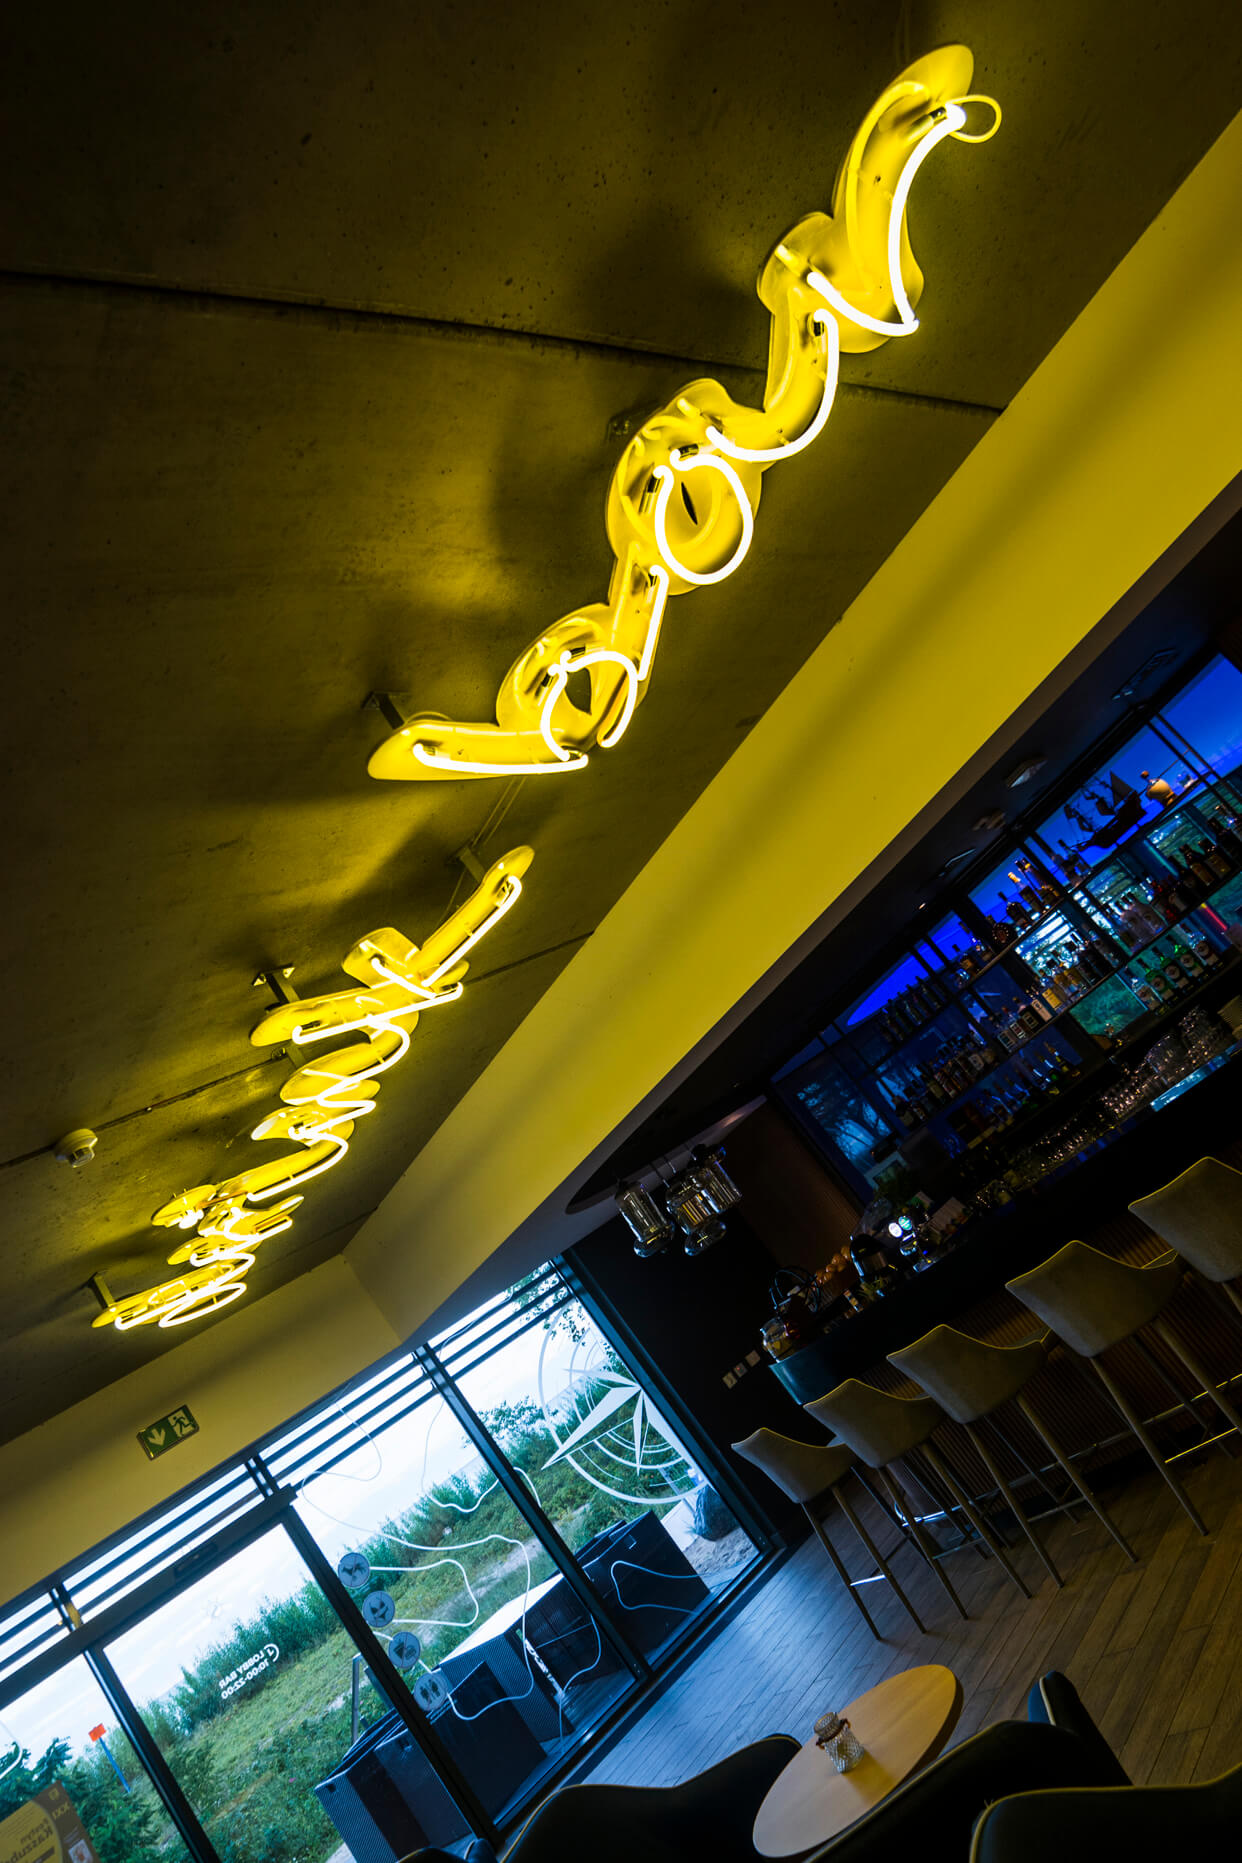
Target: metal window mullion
{"x": 600, "y": 1310}
{"x": 289, "y": 1450}
{"x": 375, "y": 1655}
{"x": 535, "y": 1518}
{"x": 306, "y": 1465}
{"x": 136, "y": 1731}
{"x": 447, "y": 1343}
{"x": 512, "y": 1324}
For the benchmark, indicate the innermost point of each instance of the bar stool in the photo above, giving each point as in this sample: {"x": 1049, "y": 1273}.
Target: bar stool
{"x": 806, "y": 1472}
{"x": 881, "y": 1429}
{"x": 970, "y": 1381}
{"x": 1093, "y": 1302}
{"x": 1200, "y": 1215}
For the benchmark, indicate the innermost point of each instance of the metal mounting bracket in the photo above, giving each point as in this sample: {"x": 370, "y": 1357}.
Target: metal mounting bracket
{"x": 277, "y": 981}
{"x": 386, "y": 706}
{"x": 99, "y": 1287}
{"x": 466, "y": 857}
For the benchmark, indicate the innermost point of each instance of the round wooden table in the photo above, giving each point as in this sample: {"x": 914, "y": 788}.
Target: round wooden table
{"x": 902, "y": 1723}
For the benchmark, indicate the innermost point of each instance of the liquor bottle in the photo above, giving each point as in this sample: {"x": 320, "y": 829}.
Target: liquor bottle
{"x": 1015, "y": 912}
{"x": 1072, "y": 861}
{"x": 1203, "y": 947}
{"x": 1097, "y": 963}
{"x": 1190, "y": 964}
{"x": 1214, "y": 858}
{"x": 1097, "y": 959}
{"x": 1130, "y": 925}
{"x": 1149, "y": 911}
{"x": 1029, "y": 896}
{"x": 1162, "y": 902}
{"x": 1108, "y": 950}
{"x": 1155, "y": 978}
{"x": 1142, "y": 988}
{"x": 1201, "y": 868}
{"x": 1045, "y": 886}
{"x": 1050, "y": 993}
{"x": 1030, "y": 1020}
{"x": 1175, "y": 974}
{"x": 1182, "y": 893}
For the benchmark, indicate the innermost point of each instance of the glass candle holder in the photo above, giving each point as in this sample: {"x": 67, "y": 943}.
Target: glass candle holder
{"x": 839, "y": 1741}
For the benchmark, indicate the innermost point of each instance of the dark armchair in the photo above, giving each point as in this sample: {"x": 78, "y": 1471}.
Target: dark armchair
{"x": 1142, "y": 1823}
{"x": 707, "y": 1819}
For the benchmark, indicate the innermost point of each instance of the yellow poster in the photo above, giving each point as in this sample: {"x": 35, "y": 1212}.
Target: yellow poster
{"x": 47, "y": 1829}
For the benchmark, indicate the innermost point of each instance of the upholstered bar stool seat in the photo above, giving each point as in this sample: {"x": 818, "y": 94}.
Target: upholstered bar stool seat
{"x": 807, "y": 1473}
{"x": 883, "y": 1429}
{"x": 970, "y": 1381}
{"x": 1200, "y": 1215}
{"x": 1093, "y": 1302}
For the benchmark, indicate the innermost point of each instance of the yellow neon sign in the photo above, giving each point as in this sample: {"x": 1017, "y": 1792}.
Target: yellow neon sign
{"x": 323, "y": 1100}
{"x": 682, "y": 503}
{"x": 680, "y": 515}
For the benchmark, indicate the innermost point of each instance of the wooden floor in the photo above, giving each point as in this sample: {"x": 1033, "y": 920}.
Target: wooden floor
{"x": 1154, "y": 1649}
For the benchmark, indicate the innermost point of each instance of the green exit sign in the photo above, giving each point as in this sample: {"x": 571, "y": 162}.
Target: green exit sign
{"x": 159, "y": 1438}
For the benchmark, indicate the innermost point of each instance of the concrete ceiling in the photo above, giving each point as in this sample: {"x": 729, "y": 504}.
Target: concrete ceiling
{"x": 319, "y": 331}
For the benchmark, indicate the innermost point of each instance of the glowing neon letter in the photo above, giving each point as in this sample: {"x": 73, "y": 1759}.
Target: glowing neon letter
{"x": 682, "y": 503}
{"x": 322, "y": 1099}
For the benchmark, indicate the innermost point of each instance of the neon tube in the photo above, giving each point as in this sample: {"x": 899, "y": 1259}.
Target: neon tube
{"x": 664, "y": 477}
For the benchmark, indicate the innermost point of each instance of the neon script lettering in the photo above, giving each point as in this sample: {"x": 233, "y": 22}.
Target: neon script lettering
{"x": 322, "y": 1100}
{"x": 681, "y": 507}
{"x": 680, "y": 516}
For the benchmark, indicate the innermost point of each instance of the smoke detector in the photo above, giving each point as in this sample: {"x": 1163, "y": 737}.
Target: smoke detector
{"x": 77, "y": 1148}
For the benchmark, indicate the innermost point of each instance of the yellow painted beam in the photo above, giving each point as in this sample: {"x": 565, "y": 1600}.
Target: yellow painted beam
{"x": 1128, "y": 430}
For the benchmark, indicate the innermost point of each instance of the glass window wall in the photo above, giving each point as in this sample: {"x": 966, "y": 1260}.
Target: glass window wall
{"x": 516, "y": 1519}
{"x": 71, "y": 1785}
{"x": 611, "y": 1473}
{"x": 474, "y": 1611}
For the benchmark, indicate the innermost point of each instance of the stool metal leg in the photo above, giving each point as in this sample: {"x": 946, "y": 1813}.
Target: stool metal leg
{"x": 1101, "y": 1513}
{"x": 874, "y": 1551}
{"x": 830, "y": 1549}
{"x": 1015, "y": 1450}
{"x": 1137, "y": 1425}
{"x": 972, "y": 1514}
{"x": 1190, "y": 1360}
{"x": 920, "y": 1537}
{"x": 1180, "y": 1399}
{"x": 946, "y": 1504}
{"x": 1011, "y": 1501}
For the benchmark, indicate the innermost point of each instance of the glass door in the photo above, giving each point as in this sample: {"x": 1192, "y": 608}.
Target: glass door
{"x": 256, "y": 1696}
{"x": 511, "y": 1670}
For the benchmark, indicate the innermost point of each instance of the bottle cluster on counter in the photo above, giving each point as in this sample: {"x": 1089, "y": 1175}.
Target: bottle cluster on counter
{"x": 1036, "y": 1073}
{"x": 1153, "y": 945}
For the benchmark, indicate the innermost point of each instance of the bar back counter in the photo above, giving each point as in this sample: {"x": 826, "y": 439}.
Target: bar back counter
{"x": 965, "y": 1288}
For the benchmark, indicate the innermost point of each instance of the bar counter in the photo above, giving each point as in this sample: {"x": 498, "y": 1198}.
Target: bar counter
{"x": 965, "y": 1288}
